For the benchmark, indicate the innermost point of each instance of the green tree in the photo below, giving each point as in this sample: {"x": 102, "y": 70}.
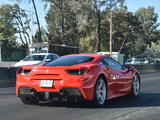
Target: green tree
{"x": 127, "y": 32}
{"x": 126, "y": 26}
{"x": 7, "y": 31}
{"x": 44, "y": 37}
{"x": 36, "y": 14}
{"x": 63, "y": 22}
{"x": 154, "y": 49}
{"x": 22, "y": 24}
{"x": 14, "y": 28}
{"x": 149, "y": 22}
{"x": 77, "y": 22}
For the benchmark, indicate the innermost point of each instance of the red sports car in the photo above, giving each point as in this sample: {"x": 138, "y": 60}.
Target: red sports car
{"x": 88, "y": 76}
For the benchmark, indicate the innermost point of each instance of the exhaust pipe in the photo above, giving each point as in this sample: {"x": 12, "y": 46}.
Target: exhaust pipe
{"x": 46, "y": 96}
{"x": 62, "y": 92}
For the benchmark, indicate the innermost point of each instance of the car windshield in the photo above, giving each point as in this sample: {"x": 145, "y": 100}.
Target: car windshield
{"x": 34, "y": 58}
{"x": 70, "y": 60}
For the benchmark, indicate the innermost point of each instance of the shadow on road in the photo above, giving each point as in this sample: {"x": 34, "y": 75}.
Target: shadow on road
{"x": 143, "y": 100}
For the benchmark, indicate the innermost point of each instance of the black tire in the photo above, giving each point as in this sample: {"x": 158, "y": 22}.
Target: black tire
{"x": 100, "y": 92}
{"x": 135, "y": 86}
{"x": 29, "y": 100}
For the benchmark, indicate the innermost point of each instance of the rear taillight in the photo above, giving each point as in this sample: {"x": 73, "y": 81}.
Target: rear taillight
{"x": 81, "y": 71}
{"x": 22, "y": 71}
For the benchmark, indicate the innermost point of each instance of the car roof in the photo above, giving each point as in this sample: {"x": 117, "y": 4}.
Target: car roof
{"x": 89, "y": 55}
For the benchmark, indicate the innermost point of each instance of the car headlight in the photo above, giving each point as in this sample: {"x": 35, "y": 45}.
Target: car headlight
{"x": 146, "y": 62}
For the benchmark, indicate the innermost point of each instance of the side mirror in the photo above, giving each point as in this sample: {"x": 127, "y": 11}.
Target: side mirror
{"x": 48, "y": 60}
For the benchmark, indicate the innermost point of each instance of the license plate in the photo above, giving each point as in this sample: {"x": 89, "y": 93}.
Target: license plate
{"x": 46, "y": 83}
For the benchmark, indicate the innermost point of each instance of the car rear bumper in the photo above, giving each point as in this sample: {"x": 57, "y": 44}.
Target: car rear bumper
{"x": 63, "y": 91}
{"x": 69, "y": 92}
{"x": 85, "y": 89}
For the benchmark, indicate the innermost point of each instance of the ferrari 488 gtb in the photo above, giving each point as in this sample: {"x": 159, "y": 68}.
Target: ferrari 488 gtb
{"x": 91, "y": 77}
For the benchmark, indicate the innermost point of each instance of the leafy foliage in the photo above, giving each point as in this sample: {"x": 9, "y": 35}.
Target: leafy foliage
{"x": 7, "y": 30}
{"x": 148, "y": 19}
{"x": 86, "y": 24}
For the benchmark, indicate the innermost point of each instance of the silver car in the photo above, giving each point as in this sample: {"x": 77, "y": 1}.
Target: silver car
{"x": 37, "y": 59}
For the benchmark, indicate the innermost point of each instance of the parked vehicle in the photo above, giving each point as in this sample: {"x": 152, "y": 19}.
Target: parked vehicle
{"x": 146, "y": 58}
{"x": 135, "y": 61}
{"x": 37, "y": 59}
{"x": 143, "y": 59}
{"x": 90, "y": 77}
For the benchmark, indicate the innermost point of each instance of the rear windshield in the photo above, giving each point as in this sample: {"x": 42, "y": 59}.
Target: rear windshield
{"x": 69, "y": 61}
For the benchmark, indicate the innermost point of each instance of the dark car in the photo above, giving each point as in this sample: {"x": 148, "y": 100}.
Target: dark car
{"x": 146, "y": 58}
{"x": 141, "y": 59}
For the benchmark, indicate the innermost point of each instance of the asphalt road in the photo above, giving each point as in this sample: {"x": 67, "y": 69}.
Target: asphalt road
{"x": 144, "y": 107}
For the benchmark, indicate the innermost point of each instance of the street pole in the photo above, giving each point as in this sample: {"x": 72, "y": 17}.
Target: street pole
{"x": 31, "y": 23}
{"x": 0, "y": 51}
{"x": 110, "y": 34}
{"x": 112, "y": 4}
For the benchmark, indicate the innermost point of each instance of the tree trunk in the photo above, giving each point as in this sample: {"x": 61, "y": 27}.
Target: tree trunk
{"x": 110, "y": 33}
{"x": 98, "y": 44}
{"x": 62, "y": 21}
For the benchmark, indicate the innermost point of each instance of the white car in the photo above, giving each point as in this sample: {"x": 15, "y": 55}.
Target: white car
{"x": 37, "y": 59}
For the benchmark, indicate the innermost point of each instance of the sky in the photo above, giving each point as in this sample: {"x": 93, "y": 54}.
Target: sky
{"x": 133, "y": 5}
{"x": 27, "y": 6}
